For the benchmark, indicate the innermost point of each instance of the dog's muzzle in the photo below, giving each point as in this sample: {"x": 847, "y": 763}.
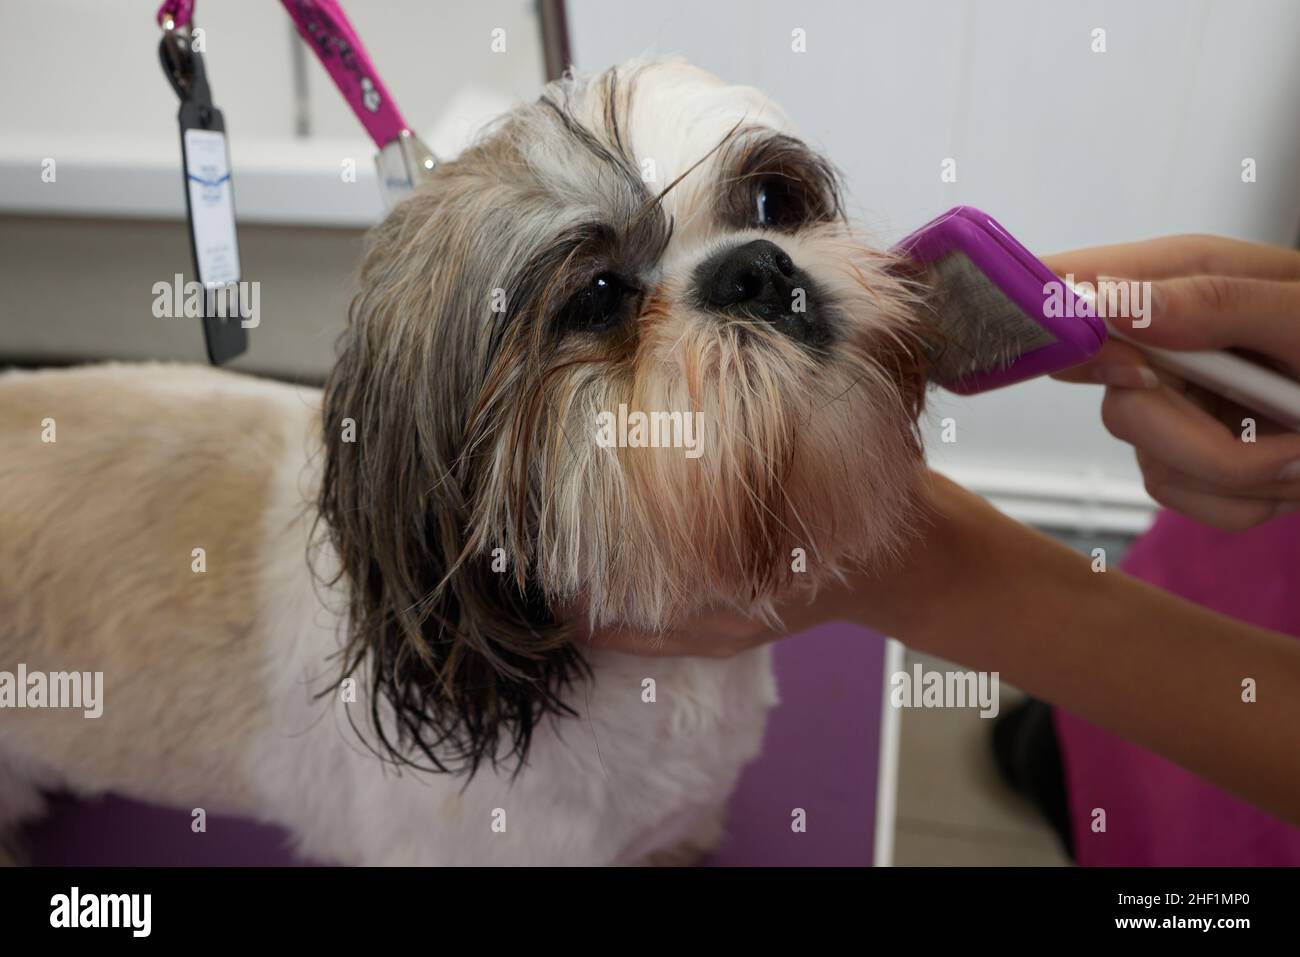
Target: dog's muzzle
{"x": 757, "y": 280}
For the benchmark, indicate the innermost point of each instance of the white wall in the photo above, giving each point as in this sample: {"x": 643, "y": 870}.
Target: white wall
{"x": 1064, "y": 146}
{"x": 91, "y": 66}
{"x": 80, "y": 82}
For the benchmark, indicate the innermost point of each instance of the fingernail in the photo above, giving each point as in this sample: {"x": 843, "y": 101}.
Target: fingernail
{"x": 1127, "y": 377}
{"x": 1289, "y": 473}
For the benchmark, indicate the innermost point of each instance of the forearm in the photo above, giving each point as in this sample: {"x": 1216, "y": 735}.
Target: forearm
{"x": 1151, "y": 667}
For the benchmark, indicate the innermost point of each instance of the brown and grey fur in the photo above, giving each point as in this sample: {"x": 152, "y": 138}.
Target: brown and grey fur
{"x": 476, "y": 425}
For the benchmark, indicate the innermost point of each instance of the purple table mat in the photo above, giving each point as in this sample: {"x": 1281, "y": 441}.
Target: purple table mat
{"x": 820, "y": 754}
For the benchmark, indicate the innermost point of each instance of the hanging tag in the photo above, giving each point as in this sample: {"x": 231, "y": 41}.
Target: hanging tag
{"x": 209, "y": 201}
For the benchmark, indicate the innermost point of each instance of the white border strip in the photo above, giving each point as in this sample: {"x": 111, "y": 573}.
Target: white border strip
{"x": 891, "y": 725}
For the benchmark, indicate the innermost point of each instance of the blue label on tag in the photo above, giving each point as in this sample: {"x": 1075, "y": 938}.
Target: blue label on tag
{"x": 212, "y": 206}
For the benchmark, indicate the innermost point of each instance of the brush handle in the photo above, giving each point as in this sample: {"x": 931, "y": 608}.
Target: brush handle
{"x": 1253, "y": 386}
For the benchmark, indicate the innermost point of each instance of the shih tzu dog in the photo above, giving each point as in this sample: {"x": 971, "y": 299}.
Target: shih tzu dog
{"x": 620, "y": 362}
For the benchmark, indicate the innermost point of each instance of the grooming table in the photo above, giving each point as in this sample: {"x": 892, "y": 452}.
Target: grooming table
{"x": 820, "y": 754}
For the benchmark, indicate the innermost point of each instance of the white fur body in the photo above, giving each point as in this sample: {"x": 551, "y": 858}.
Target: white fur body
{"x": 624, "y": 780}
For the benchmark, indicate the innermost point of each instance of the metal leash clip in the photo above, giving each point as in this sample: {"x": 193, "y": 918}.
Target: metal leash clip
{"x": 402, "y": 164}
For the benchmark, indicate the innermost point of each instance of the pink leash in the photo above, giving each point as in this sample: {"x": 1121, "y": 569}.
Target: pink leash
{"x": 402, "y": 158}
{"x": 327, "y": 31}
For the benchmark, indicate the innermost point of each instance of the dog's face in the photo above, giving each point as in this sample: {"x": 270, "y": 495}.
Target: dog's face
{"x": 624, "y": 354}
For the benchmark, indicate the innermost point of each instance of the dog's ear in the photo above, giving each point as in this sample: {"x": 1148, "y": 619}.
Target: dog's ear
{"x": 461, "y": 661}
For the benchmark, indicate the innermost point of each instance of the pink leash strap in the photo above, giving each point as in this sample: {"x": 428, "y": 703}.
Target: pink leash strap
{"x": 327, "y": 31}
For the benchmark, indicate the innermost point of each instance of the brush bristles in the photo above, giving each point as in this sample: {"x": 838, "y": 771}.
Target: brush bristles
{"x": 978, "y": 328}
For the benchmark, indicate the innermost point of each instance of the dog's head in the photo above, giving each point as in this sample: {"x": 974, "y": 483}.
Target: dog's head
{"x": 623, "y": 354}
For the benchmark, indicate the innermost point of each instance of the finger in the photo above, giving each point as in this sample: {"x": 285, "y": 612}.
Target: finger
{"x": 1174, "y": 430}
{"x": 1179, "y": 256}
{"x": 1229, "y": 513}
{"x": 1117, "y": 364}
{"x": 1157, "y": 473}
{"x": 1218, "y": 312}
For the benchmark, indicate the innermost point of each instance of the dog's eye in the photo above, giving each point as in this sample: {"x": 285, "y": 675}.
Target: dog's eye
{"x": 778, "y": 205}
{"x": 600, "y": 304}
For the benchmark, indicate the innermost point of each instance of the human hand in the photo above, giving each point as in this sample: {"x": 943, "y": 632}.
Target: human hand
{"x": 1207, "y": 292}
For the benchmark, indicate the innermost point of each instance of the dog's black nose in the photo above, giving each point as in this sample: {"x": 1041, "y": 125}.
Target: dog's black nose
{"x": 758, "y": 276}
{"x": 758, "y": 280}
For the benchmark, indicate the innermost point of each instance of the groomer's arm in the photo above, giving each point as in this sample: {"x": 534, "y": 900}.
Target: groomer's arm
{"x": 978, "y": 588}
{"x": 995, "y": 595}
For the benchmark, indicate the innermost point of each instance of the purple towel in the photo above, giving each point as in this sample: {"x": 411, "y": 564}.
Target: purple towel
{"x": 1157, "y": 813}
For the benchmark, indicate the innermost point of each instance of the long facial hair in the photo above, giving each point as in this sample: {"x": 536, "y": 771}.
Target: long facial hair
{"x": 474, "y": 502}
